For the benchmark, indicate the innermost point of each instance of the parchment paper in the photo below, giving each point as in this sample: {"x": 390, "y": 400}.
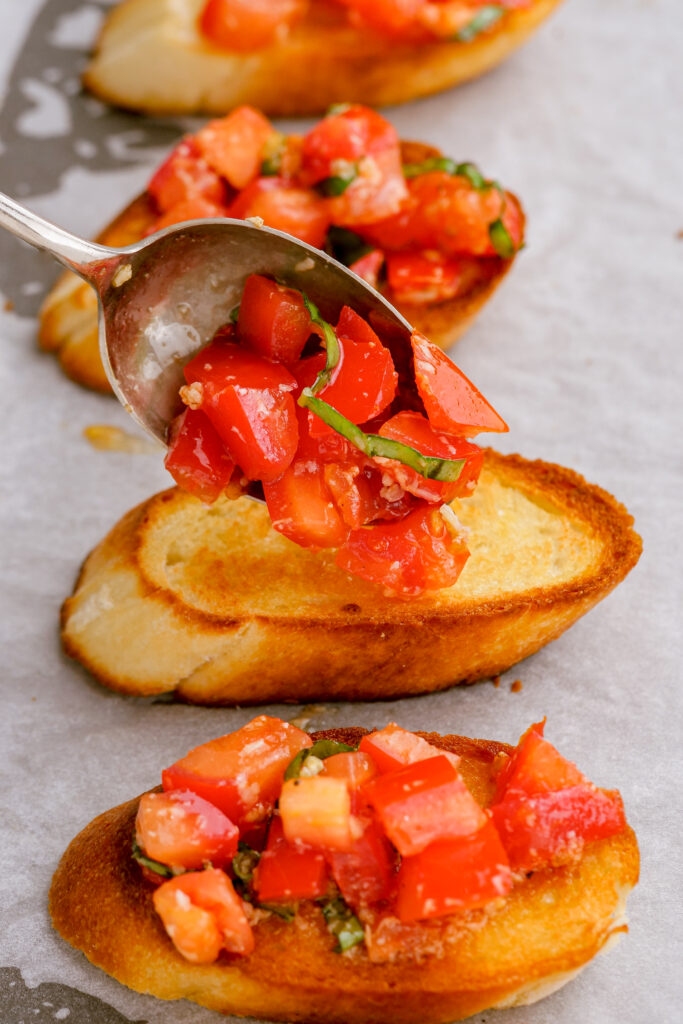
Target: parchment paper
{"x": 580, "y": 351}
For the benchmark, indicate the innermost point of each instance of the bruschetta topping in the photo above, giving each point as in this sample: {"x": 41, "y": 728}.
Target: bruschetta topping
{"x": 386, "y": 838}
{"x": 327, "y": 436}
{"x": 423, "y": 231}
{"x": 243, "y": 26}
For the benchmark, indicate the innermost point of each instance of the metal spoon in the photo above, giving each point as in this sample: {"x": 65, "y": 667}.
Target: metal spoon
{"x": 162, "y": 299}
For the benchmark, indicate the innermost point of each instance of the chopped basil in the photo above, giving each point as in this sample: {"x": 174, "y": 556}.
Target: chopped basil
{"x": 244, "y": 863}
{"x": 434, "y": 163}
{"x": 483, "y": 19}
{"x": 343, "y": 924}
{"x": 234, "y": 315}
{"x": 321, "y": 750}
{"x": 502, "y": 242}
{"x": 375, "y": 446}
{"x": 474, "y": 176}
{"x": 285, "y": 912}
{"x": 153, "y": 865}
{"x": 331, "y": 345}
{"x": 271, "y": 164}
{"x": 346, "y": 246}
{"x": 338, "y": 184}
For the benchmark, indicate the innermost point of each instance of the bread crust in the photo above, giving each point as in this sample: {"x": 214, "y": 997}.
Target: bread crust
{"x": 212, "y": 603}
{"x": 151, "y": 57}
{"x": 540, "y": 936}
{"x": 68, "y": 316}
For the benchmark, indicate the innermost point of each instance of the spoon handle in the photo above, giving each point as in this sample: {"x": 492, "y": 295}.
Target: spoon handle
{"x": 74, "y": 252}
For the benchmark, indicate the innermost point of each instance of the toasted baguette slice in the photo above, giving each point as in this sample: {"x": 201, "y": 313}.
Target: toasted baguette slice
{"x": 151, "y": 57}
{"x": 211, "y": 602}
{"x": 68, "y": 317}
{"x": 510, "y": 954}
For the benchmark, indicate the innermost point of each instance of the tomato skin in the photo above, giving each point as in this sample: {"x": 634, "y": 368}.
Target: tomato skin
{"x": 286, "y": 207}
{"x": 552, "y": 827}
{"x": 233, "y": 145}
{"x": 407, "y": 557}
{"x": 196, "y": 457}
{"x": 413, "y": 429}
{"x": 362, "y": 385}
{"x": 184, "y": 175}
{"x": 243, "y": 26}
{"x": 288, "y": 871}
{"x": 273, "y": 320}
{"x": 392, "y": 748}
{"x": 453, "y": 404}
{"x": 422, "y": 803}
{"x": 354, "y": 767}
{"x": 536, "y": 767}
{"x": 301, "y": 508}
{"x": 452, "y": 875}
{"x": 203, "y": 915}
{"x": 369, "y": 266}
{"x": 240, "y": 773}
{"x": 194, "y": 208}
{"x": 366, "y": 872}
{"x": 419, "y": 277}
{"x": 248, "y": 400}
{"x": 316, "y": 811}
{"x": 181, "y": 829}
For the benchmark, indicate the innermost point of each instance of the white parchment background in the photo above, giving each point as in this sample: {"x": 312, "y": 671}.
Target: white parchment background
{"x": 581, "y": 351}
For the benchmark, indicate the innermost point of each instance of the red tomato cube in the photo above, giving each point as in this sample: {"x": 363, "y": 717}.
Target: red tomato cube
{"x": 248, "y": 400}
{"x": 366, "y": 872}
{"x": 362, "y": 384}
{"x": 202, "y": 915}
{"x": 421, "y": 278}
{"x": 301, "y": 508}
{"x": 392, "y": 748}
{"x": 286, "y": 207}
{"x": 355, "y": 768}
{"x": 240, "y": 773}
{"x": 289, "y": 871}
{"x": 186, "y": 175}
{"x": 453, "y": 404}
{"x": 316, "y": 811}
{"x": 196, "y": 457}
{"x": 423, "y": 803}
{"x": 181, "y": 829}
{"x": 369, "y": 266}
{"x": 193, "y": 208}
{"x": 414, "y": 430}
{"x": 243, "y": 26}
{"x": 537, "y": 767}
{"x": 452, "y": 875}
{"x": 348, "y": 136}
{"x": 233, "y": 145}
{"x": 407, "y": 557}
{"x": 273, "y": 320}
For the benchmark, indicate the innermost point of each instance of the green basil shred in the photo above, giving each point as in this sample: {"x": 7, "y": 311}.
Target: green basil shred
{"x": 338, "y": 184}
{"x": 331, "y": 345}
{"x": 343, "y": 924}
{"x": 483, "y": 19}
{"x": 502, "y": 242}
{"x": 346, "y": 246}
{"x": 271, "y": 164}
{"x": 320, "y": 749}
{"x": 154, "y": 865}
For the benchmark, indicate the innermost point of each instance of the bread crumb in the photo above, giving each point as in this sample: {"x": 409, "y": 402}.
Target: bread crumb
{"x": 516, "y": 687}
{"x": 496, "y": 681}
{"x": 9, "y": 306}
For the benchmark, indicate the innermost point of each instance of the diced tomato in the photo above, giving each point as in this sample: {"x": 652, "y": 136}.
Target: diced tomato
{"x": 365, "y": 873}
{"x": 392, "y": 748}
{"x": 196, "y": 457}
{"x": 407, "y": 557}
{"x": 354, "y": 768}
{"x": 243, "y": 26}
{"x": 185, "y": 175}
{"x": 452, "y": 875}
{"x": 362, "y": 385}
{"x": 537, "y": 767}
{"x": 300, "y": 506}
{"x": 316, "y": 811}
{"x": 288, "y": 871}
{"x": 423, "y": 277}
{"x": 203, "y": 914}
{"x": 196, "y": 208}
{"x": 378, "y": 191}
{"x": 331, "y": 448}
{"x": 552, "y": 827}
{"x": 454, "y": 405}
{"x": 369, "y": 266}
{"x": 273, "y": 320}
{"x": 422, "y": 803}
{"x": 240, "y": 773}
{"x": 357, "y": 491}
{"x": 248, "y": 400}
{"x": 414, "y": 430}
{"x": 183, "y": 830}
{"x": 351, "y": 325}
{"x": 394, "y": 17}
{"x": 513, "y": 220}
{"x": 233, "y": 145}
{"x": 285, "y": 207}
{"x": 348, "y": 136}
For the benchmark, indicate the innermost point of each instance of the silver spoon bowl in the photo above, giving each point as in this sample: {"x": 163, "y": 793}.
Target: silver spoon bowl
{"x": 162, "y": 299}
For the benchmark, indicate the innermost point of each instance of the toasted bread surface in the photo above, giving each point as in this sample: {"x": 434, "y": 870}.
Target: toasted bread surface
{"x": 507, "y": 954}
{"x": 211, "y": 602}
{"x": 68, "y": 316}
{"x": 151, "y": 57}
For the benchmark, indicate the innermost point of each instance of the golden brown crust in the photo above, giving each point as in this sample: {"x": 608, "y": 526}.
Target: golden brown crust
{"x": 558, "y": 920}
{"x": 212, "y": 603}
{"x": 68, "y": 317}
{"x": 150, "y": 57}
